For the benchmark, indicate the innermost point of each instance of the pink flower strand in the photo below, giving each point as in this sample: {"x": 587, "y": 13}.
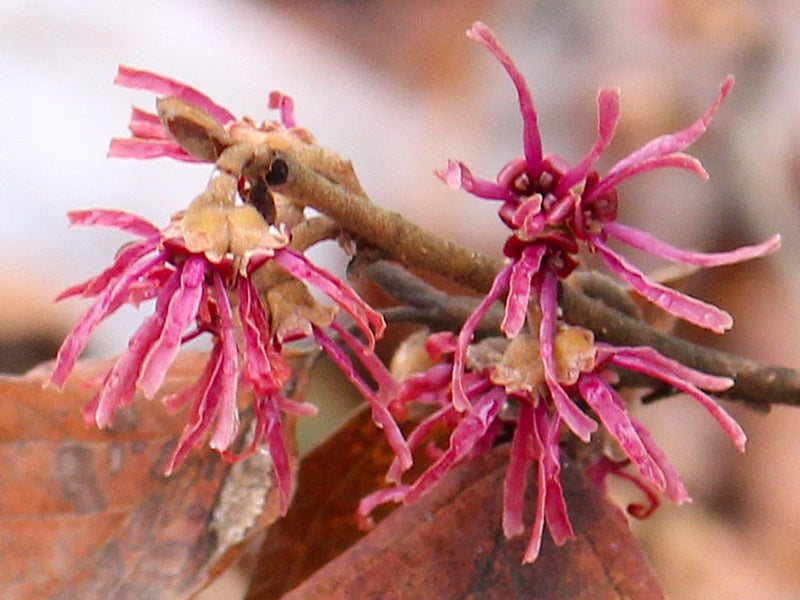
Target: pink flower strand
{"x": 151, "y": 139}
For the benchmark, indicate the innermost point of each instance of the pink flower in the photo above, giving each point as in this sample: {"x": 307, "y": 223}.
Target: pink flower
{"x": 554, "y": 208}
{"x": 505, "y": 389}
{"x": 223, "y": 269}
{"x": 152, "y": 139}
{"x": 196, "y": 295}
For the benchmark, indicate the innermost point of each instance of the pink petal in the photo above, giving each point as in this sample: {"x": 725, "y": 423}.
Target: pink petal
{"x": 286, "y": 105}
{"x": 177, "y": 316}
{"x": 675, "y": 142}
{"x": 380, "y": 412}
{"x": 124, "y": 259}
{"x": 458, "y": 176}
{"x": 387, "y": 386}
{"x": 612, "y": 412}
{"x": 440, "y": 343}
{"x": 228, "y": 376}
{"x": 649, "y": 243}
{"x": 119, "y": 384}
{"x": 264, "y": 366}
{"x": 555, "y": 506}
{"x": 107, "y": 301}
{"x": 164, "y": 86}
{"x": 263, "y": 416}
{"x": 174, "y": 402}
{"x": 677, "y": 160}
{"x": 299, "y": 409}
{"x": 519, "y": 288}
{"x": 420, "y": 433}
{"x": 205, "y": 393}
{"x": 487, "y": 441}
{"x": 422, "y": 387}
{"x": 463, "y": 438}
{"x": 279, "y": 454}
{"x": 537, "y": 529}
{"x": 674, "y": 302}
{"x": 148, "y": 125}
{"x": 607, "y": 118}
{"x": 376, "y": 499}
{"x": 635, "y": 509}
{"x": 500, "y": 284}
{"x": 104, "y": 217}
{"x": 659, "y": 363}
{"x": 531, "y": 139}
{"x": 149, "y": 285}
{"x": 675, "y": 489}
{"x": 146, "y": 149}
{"x": 676, "y": 380}
{"x": 514, "y": 483}
{"x": 574, "y": 418}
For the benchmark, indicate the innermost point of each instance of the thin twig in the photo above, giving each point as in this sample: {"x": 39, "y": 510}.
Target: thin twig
{"x": 423, "y": 302}
{"x": 312, "y": 231}
{"x": 406, "y": 242}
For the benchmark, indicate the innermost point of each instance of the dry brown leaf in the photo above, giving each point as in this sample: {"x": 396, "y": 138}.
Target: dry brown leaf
{"x": 88, "y": 514}
{"x": 321, "y": 523}
{"x": 449, "y": 545}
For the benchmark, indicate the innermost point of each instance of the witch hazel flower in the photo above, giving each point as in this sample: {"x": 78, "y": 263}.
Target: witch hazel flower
{"x": 554, "y": 209}
{"x": 195, "y": 295}
{"x": 507, "y": 388}
{"x": 159, "y": 135}
{"x": 224, "y": 269}
{"x": 189, "y": 126}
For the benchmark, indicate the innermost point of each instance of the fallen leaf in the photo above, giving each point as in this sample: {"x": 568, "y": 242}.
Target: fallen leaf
{"x": 448, "y": 545}
{"x": 87, "y": 513}
{"x": 321, "y": 523}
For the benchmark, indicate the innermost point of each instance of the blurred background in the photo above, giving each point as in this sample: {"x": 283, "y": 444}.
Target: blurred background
{"x": 399, "y": 89}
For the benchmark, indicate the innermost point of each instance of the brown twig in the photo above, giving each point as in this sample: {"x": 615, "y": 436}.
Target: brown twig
{"x": 422, "y": 302}
{"x": 313, "y": 231}
{"x": 406, "y": 242}
{"x": 413, "y": 246}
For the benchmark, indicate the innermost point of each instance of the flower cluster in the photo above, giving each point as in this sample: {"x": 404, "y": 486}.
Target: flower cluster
{"x": 160, "y": 135}
{"x": 548, "y": 202}
{"x": 506, "y": 387}
{"x": 556, "y": 375}
{"x": 225, "y": 269}
{"x": 554, "y": 208}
